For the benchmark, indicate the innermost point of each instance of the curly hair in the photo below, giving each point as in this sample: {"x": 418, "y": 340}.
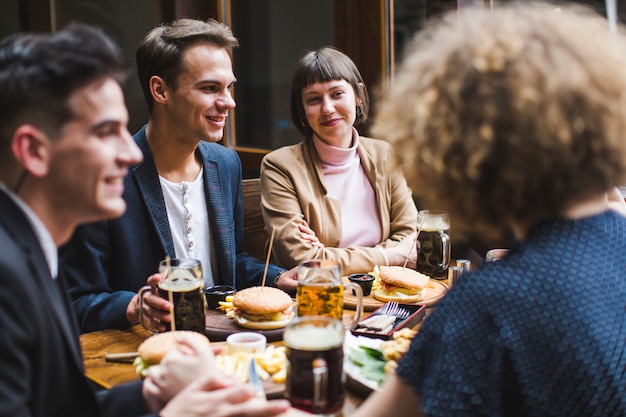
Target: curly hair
{"x": 510, "y": 116}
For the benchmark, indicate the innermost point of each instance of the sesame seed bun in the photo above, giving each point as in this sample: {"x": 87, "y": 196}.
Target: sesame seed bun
{"x": 403, "y": 277}
{"x": 155, "y": 347}
{"x": 262, "y": 308}
{"x": 262, "y": 300}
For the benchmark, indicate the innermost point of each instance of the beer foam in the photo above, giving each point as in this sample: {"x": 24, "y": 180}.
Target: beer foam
{"x": 310, "y": 337}
{"x": 435, "y": 223}
{"x": 180, "y": 285}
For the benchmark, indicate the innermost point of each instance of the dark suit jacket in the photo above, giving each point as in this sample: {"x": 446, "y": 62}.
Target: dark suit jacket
{"x": 41, "y": 368}
{"x": 108, "y": 262}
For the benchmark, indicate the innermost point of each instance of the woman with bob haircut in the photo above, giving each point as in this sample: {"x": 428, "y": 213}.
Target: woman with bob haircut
{"x": 515, "y": 119}
{"x": 336, "y": 195}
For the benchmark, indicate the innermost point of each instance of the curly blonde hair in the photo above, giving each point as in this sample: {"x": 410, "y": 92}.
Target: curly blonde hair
{"x": 510, "y": 116}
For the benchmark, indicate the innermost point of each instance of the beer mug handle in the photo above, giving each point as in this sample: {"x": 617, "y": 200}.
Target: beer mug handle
{"x": 358, "y": 291}
{"x": 445, "y": 243}
{"x": 143, "y": 322}
{"x": 320, "y": 384}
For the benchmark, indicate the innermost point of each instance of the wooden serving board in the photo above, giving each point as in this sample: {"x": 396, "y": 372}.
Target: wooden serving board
{"x": 435, "y": 290}
{"x": 219, "y": 327}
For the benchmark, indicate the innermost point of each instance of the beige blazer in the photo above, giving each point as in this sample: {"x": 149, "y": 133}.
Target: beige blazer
{"x": 293, "y": 189}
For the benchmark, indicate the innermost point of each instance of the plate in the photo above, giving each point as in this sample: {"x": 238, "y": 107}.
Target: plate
{"x": 435, "y": 290}
{"x": 219, "y": 327}
{"x": 355, "y": 381}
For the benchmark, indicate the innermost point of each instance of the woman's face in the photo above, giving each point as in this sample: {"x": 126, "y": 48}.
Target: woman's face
{"x": 330, "y": 110}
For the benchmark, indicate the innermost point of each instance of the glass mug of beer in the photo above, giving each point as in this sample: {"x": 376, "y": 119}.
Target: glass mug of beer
{"x": 433, "y": 251}
{"x": 320, "y": 291}
{"x": 315, "y": 378}
{"x": 184, "y": 287}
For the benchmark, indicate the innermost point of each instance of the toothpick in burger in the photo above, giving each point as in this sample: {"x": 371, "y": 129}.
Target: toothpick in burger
{"x": 403, "y": 285}
{"x": 262, "y": 308}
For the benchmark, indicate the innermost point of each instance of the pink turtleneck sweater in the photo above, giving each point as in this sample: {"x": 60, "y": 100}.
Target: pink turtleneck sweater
{"x": 346, "y": 181}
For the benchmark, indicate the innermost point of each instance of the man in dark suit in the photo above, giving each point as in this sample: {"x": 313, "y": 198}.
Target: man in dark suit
{"x": 64, "y": 152}
{"x": 184, "y": 199}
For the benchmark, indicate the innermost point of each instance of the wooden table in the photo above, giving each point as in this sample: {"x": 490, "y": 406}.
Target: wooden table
{"x": 104, "y": 374}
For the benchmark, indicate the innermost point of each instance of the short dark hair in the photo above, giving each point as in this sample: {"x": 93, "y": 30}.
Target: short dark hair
{"x": 511, "y": 115}
{"x": 39, "y": 72}
{"x": 320, "y": 66}
{"x": 161, "y": 51}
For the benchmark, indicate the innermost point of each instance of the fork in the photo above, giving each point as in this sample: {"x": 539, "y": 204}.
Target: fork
{"x": 254, "y": 379}
{"x": 388, "y": 308}
{"x": 393, "y": 309}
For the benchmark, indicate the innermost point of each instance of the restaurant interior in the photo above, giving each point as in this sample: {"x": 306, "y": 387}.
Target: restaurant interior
{"x": 273, "y": 35}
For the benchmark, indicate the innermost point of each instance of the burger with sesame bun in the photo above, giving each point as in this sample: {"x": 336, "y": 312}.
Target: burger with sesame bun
{"x": 262, "y": 308}
{"x": 153, "y": 349}
{"x": 403, "y": 285}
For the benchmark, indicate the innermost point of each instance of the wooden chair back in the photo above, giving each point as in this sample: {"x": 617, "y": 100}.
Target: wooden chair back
{"x": 254, "y": 235}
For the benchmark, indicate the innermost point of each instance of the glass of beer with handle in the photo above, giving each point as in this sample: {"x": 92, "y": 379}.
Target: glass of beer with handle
{"x": 315, "y": 378}
{"x": 320, "y": 291}
{"x": 183, "y": 286}
{"x": 433, "y": 251}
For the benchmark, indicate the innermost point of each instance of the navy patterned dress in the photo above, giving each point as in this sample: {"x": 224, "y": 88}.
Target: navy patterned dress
{"x": 540, "y": 333}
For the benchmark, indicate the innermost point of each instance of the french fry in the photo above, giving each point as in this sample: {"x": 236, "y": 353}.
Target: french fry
{"x": 263, "y": 374}
{"x": 226, "y": 305}
{"x": 376, "y": 283}
{"x": 241, "y": 369}
{"x": 280, "y": 376}
{"x": 271, "y": 363}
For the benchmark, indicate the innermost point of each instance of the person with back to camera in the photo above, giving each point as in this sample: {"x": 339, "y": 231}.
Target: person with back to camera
{"x": 184, "y": 200}
{"x": 515, "y": 119}
{"x": 65, "y": 150}
{"x": 336, "y": 195}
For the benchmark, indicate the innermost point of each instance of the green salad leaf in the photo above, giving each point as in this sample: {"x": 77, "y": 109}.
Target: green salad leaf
{"x": 371, "y": 363}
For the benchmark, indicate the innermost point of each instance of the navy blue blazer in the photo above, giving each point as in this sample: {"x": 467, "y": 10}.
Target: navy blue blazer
{"x": 41, "y": 367}
{"x": 107, "y": 262}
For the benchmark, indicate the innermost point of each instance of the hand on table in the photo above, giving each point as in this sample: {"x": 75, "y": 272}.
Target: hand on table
{"x": 211, "y": 396}
{"x": 397, "y": 255}
{"x": 191, "y": 360}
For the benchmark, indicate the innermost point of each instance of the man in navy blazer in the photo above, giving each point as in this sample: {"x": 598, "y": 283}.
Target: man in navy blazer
{"x": 184, "y": 199}
{"x": 64, "y": 152}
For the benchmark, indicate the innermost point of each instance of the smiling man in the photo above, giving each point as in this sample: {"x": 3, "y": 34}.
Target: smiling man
{"x": 64, "y": 151}
{"x": 185, "y": 199}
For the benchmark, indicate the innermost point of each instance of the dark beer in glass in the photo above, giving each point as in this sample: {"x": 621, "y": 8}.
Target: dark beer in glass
{"x": 433, "y": 251}
{"x": 315, "y": 377}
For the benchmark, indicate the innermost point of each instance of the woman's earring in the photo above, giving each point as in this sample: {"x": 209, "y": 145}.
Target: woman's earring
{"x": 303, "y": 122}
{"x": 359, "y": 111}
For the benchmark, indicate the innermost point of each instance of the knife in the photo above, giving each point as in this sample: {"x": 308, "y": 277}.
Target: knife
{"x": 253, "y": 378}
{"x": 126, "y": 357}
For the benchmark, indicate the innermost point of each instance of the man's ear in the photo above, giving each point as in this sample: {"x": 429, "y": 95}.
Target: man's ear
{"x": 30, "y": 146}
{"x": 158, "y": 88}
